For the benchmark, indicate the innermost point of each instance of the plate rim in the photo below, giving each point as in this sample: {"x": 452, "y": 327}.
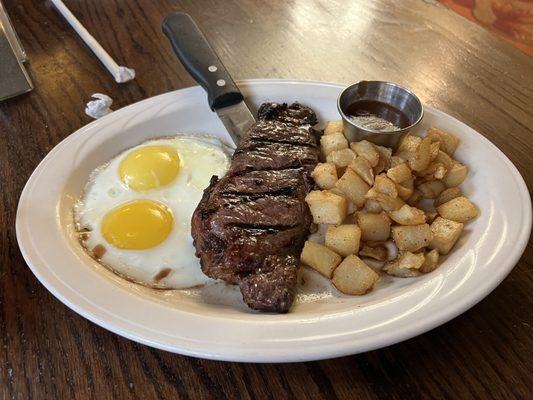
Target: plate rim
{"x": 310, "y": 353}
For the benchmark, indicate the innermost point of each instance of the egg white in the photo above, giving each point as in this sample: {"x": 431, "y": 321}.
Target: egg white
{"x": 200, "y": 158}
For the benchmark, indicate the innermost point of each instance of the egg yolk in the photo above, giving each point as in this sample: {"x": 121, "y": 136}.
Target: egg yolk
{"x": 137, "y": 225}
{"x": 149, "y": 167}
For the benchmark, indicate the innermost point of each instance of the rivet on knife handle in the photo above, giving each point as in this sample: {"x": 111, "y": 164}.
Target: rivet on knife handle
{"x": 200, "y": 60}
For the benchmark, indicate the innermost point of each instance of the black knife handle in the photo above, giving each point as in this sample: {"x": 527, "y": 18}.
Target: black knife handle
{"x": 200, "y": 60}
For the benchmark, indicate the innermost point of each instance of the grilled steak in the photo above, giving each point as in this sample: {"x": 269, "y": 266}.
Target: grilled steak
{"x": 250, "y": 225}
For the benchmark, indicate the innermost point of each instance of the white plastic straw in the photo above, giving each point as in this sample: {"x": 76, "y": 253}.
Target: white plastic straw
{"x": 120, "y": 73}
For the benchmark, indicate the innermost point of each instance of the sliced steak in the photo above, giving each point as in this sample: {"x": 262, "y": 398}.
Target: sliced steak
{"x": 250, "y": 226}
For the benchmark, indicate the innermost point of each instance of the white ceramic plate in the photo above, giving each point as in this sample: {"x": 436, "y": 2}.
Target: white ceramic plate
{"x": 213, "y": 322}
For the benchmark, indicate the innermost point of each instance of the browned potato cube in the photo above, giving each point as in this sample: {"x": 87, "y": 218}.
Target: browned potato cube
{"x": 459, "y": 209}
{"x": 400, "y": 173}
{"x": 333, "y": 127}
{"x": 335, "y": 141}
{"x": 343, "y": 239}
{"x": 386, "y": 202}
{"x": 363, "y": 169}
{"x": 326, "y": 207}
{"x": 435, "y": 170}
{"x": 455, "y": 175}
{"x": 411, "y": 237}
{"x": 404, "y": 192}
{"x": 448, "y": 142}
{"x": 444, "y": 159}
{"x": 379, "y": 253}
{"x": 354, "y": 277}
{"x": 419, "y": 160}
{"x": 397, "y": 160}
{"x": 353, "y": 187}
{"x": 374, "y": 226}
{"x": 367, "y": 150}
{"x": 406, "y": 265}
{"x": 341, "y": 158}
{"x": 409, "y": 144}
{"x": 431, "y": 189}
{"x": 320, "y": 258}
{"x": 385, "y": 154}
{"x": 408, "y": 215}
{"x": 445, "y": 233}
{"x": 447, "y": 195}
{"x": 385, "y": 185}
{"x": 373, "y": 206}
{"x": 325, "y": 175}
{"x": 434, "y": 152}
{"x": 431, "y": 262}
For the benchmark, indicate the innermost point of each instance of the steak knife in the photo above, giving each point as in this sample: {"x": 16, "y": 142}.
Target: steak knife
{"x": 201, "y": 61}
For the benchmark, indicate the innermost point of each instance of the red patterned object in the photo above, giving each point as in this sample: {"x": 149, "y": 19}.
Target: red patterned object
{"x": 510, "y": 19}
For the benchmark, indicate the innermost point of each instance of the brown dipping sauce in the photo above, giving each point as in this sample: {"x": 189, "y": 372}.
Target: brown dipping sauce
{"x": 372, "y": 113}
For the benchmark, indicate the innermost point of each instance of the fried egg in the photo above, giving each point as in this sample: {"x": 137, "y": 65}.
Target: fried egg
{"x": 135, "y": 214}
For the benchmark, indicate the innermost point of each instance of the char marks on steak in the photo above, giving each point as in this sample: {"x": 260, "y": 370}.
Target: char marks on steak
{"x": 250, "y": 226}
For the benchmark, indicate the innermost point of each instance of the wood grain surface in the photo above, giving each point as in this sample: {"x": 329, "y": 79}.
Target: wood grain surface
{"x": 49, "y": 352}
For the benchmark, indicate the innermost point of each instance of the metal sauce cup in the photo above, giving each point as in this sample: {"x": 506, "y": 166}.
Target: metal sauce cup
{"x": 385, "y": 92}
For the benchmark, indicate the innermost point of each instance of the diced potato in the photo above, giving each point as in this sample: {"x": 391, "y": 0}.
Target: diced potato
{"x": 411, "y": 237}
{"x": 334, "y": 127}
{"x": 353, "y": 187}
{"x": 326, "y": 207}
{"x": 447, "y": 195}
{"x": 354, "y": 277}
{"x": 373, "y": 206}
{"x": 406, "y": 265}
{"x": 374, "y": 226}
{"x": 419, "y": 160}
{"x": 343, "y": 239}
{"x": 444, "y": 234}
{"x": 409, "y": 144}
{"x": 444, "y": 159}
{"x": 367, "y": 150}
{"x": 440, "y": 171}
{"x": 408, "y": 215}
{"x": 448, "y": 142}
{"x": 320, "y": 258}
{"x": 363, "y": 169}
{"x": 404, "y": 192}
{"x": 415, "y": 198}
{"x": 396, "y": 160}
{"x": 387, "y": 203}
{"x": 434, "y": 152}
{"x": 431, "y": 262}
{"x": 456, "y": 175}
{"x": 325, "y": 175}
{"x": 435, "y": 170}
{"x": 341, "y": 158}
{"x": 385, "y": 185}
{"x": 431, "y": 189}
{"x": 379, "y": 253}
{"x": 335, "y": 141}
{"x": 459, "y": 209}
{"x": 400, "y": 173}
{"x": 385, "y": 154}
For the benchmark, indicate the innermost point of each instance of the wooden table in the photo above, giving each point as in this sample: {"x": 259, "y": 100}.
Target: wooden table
{"x": 49, "y": 352}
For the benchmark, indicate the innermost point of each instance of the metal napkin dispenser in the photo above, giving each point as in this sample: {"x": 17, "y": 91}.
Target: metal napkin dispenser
{"x": 14, "y": 79}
